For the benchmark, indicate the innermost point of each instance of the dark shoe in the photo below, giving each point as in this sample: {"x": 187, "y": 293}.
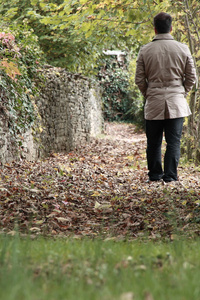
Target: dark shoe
{"x": 168, "y": 181}
{"x": 154, "y": 180}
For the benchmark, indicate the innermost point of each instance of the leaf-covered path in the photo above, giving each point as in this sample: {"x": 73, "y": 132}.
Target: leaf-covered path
{"x": 98, "y": 189}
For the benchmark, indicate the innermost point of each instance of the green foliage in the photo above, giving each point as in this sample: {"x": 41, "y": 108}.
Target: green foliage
{"x": 73, "y": 33}
{"x": 121, "y": 98}
{"x": 114, "y": 80}
{"x": 62, "y": 46}
{"x": 20, "y": 60}
{"x": 137, "y": 107}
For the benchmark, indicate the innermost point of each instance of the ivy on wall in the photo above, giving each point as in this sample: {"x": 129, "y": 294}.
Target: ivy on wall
{"x": 20, "y": 58}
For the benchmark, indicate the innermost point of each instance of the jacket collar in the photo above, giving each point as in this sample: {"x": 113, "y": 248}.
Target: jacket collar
{"x": 163, "y": 36}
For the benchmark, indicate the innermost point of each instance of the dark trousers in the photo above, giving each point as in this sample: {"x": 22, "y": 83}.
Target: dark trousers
{"x": 172, "y": 128}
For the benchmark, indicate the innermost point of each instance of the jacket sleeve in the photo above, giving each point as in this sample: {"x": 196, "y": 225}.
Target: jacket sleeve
{"x": 140, "y": 78}
{"x": 190, "y": 73}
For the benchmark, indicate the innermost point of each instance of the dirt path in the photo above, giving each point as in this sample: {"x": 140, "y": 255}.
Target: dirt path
{"x": 98, "y": 189}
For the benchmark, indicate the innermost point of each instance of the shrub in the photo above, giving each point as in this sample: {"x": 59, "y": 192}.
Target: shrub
{"x": 122, "y": 100}
{"x": 114, "y": 80}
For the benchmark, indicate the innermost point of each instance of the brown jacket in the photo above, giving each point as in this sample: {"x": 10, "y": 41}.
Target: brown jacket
{"x": 165, "y": 73}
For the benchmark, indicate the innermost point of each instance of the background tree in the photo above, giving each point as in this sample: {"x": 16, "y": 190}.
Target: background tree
{"x": 188, "y": 31}
{"x": 74, "y": 33}
{"x": 63, "y": 47}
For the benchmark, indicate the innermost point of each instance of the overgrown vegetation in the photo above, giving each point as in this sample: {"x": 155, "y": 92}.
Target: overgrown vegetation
{"x": 20, "y": 60}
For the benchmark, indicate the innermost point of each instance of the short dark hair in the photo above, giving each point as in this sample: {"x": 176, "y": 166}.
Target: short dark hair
{"x": 162, "y": 22}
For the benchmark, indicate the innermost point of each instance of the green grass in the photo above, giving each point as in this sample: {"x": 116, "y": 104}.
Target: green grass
{"x": 94, "y": 269}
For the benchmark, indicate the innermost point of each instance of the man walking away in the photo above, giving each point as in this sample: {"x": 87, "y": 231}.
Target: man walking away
{"x": 165, "y": 73}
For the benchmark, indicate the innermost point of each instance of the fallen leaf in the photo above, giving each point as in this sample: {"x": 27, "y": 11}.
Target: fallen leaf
{"x": 148, "y": 296}
{"x": 127, "y": 296}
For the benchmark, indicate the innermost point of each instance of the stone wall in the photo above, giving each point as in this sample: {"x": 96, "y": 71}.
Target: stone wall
{"x": 70, "y": 110}
{"x": 7, "y": 144}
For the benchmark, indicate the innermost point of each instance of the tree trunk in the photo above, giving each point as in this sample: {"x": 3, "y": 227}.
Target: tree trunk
{"x": 193, "y": 129}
